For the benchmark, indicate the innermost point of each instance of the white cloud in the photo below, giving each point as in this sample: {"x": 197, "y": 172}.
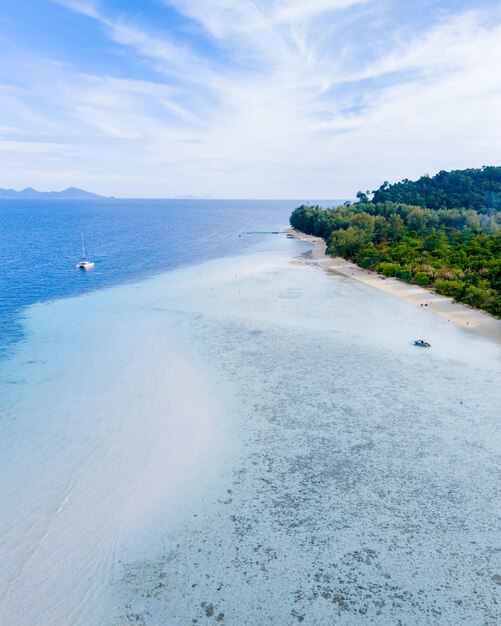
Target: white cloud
{"x": 471, "y": 38}
{"x": 86, "y": 7}
{"x": 290, "y": 12}
{"x": 286, "y": 116}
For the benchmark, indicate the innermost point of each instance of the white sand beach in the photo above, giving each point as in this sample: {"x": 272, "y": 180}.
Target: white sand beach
{"x": 457, "y": 313}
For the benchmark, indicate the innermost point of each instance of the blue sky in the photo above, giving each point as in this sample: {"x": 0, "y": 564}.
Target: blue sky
{"x": 245, "y": 98}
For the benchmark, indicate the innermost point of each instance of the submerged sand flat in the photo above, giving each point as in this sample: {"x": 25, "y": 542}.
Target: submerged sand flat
{"x": 459, "y": 314}
{"x": 295, "y": 459}
{"x": 107, "y": 417}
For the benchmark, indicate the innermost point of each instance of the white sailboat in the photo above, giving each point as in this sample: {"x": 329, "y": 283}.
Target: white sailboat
{"x": 84, "y": 264}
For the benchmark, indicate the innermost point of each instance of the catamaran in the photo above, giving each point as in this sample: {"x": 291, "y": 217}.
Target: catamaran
{"x": 83, "y": 264}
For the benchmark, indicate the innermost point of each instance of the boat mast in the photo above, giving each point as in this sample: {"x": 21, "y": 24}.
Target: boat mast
{"x": 83, "y": 247}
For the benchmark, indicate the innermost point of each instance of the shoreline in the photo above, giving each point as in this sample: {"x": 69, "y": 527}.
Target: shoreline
{"x": 461, "y": 315}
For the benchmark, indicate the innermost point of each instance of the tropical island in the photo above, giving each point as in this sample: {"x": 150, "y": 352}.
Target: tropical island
{"x": 441, "y": 232}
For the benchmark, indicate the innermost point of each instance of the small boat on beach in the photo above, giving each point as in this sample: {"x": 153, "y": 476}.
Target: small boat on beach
{"x": 422, "y": 343}
{"x": 84, "y": 264}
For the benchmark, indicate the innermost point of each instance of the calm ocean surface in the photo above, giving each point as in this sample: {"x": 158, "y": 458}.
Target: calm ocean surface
{"x": 127, "y": 240}
{"x": 210, "y": 429}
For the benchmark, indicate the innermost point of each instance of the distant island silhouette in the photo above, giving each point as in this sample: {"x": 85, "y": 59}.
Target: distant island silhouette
{"x": 72, "y": 193}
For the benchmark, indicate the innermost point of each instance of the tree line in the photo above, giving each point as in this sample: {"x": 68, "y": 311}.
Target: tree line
{"x": 454, "y": 250}
{"x": 477, "y": 189}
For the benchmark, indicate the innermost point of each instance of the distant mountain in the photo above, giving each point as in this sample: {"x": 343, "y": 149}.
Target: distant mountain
{"x": 72, "y": 193}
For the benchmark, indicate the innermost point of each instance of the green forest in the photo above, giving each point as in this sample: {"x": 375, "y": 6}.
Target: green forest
{"x": 441, "y": 232}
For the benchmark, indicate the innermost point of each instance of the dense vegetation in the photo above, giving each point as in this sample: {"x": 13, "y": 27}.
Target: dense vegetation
{"x": 455, "y": 250}
{"x": 477, "y": 189}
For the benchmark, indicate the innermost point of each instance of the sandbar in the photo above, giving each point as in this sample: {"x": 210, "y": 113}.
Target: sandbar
{"x": 461, "y": 315}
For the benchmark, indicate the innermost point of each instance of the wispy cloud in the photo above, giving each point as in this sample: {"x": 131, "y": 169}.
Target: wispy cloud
{"x": 468, "y": 39}
{"x": 280, "y": 98}
{"x": 86, "y": 7}
{"x": 298, "y": 11}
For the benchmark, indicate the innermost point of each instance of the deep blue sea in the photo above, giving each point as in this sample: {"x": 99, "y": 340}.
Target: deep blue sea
{"x": 127, "y": 240}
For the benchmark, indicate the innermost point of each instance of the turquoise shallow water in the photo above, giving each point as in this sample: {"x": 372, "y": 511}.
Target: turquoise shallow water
{"x": 248, "y": 441}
